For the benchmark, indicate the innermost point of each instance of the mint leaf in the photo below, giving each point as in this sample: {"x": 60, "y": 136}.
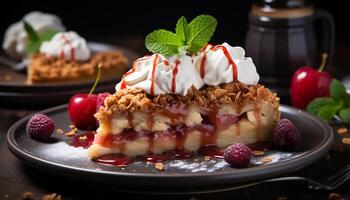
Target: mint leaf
{"x": 47, "y": 35}
{"x": 182, "y": 28}
{"x": 344, "y": 114}
{"x": 315, "y": 105}
{"x": 34, "y": 45}
{"x": 201, "y": 29}
{"x": 163, "y": 42}
{"x": 32, "y": 34}
{"x": 328, "y": 111}
{"x": 338, "y": 90}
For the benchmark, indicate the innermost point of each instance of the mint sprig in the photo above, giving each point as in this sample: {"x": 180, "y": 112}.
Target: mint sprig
{"x": 35, "y": 39}
{"x": 201, "y": 29}
{"x": 188, "y": 37}
{"x": 163, "y": 42}
{"x": 181, "y": 29}
{"x": 337, "y": 104}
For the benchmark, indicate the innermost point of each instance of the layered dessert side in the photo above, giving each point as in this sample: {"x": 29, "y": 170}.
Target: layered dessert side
{"x": 186, "y": 101}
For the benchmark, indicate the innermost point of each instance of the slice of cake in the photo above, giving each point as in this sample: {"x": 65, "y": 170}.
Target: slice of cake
{"x": 184, "y": 101}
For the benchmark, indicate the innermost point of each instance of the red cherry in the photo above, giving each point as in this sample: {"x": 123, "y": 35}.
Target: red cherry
{"x": 81, "y": 109}
{"x": 309, "y": 83}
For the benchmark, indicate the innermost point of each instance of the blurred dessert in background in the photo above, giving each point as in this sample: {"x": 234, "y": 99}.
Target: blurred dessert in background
{"x": 53, "y": 55}
{"x": 16, "y": 38}
{"x": 67, "y": 57}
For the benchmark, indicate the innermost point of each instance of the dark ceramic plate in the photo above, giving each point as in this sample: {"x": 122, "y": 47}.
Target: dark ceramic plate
{"x": 15, "y": 91}
{"x": 179, "y": 176}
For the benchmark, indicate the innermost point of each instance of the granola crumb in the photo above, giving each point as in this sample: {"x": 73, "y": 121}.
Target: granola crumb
{"x": 135, "y": 99}
{"x": 27, "y": 196}
{"x": 8, "y": 77}
{"x": 59, "y": 131}
{"x": 282, "y": 198}
{"x": 334, "y": 196}
{"x": 266, "y": 159}
{"x": 159, "y": 166}
{"x": 258, "y": 153}
{"x": 72, "y": 126}
{"x": 70, "y": 133}
{"x": 207, "y": 158}
{"x": 345, "y": 140}
{"x": 327, "y": 157}
{"x": 52, "y": 196}
{"x": 83, "y": 138}
{"x": 342, "y": 131}
{"x": 196, "y": 160}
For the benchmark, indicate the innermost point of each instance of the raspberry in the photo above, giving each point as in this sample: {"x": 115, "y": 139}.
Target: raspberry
{"x": 40, "y": 126}
{"x": 286, "y": 136}
{"x": 238, "y": 155}
{"x": 100, "y": 99}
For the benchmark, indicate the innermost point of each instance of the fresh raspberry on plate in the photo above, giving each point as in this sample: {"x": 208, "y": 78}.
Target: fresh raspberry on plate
{"x": 40, "y": 126}
{"x": 100, "y": 99}
{"x": 286, "y": 136}
{"x": 238, "y": 155}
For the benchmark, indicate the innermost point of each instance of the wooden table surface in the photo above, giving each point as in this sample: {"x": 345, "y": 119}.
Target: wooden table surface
{"x": 17, "y": 178}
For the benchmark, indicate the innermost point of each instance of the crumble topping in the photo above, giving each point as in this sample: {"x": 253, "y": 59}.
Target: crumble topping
{"x": 43, "y": 67}
{"x": 137, "y": 100}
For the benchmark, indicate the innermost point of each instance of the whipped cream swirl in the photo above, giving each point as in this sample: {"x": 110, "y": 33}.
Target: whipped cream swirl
{"x": 224, "y": 64}
{"x": 157, "y": 74}
{"x": 15, "y": 38}
{"x": 67, "y": 45}
{"x": 214, "y": 65}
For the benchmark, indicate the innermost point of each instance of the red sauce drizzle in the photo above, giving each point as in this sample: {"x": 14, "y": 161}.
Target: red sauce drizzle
{"x": 129, "y": 116}
{"x": 132, "y": 70}
{"x": 123, "y": 85}
{"x": 166, "y": 62}
{"x": 203, "y": 61}
{"x": 83, "y": 140}
{"x": 62, "y": 54}
{"x": 229, "y": 59}
{"x": 153, "y": 74}
{"x": 118, "y": 160}
{"x": 72, "y": 49}
{"x": 175, "y": 71}
{"x": 202, "y": 66}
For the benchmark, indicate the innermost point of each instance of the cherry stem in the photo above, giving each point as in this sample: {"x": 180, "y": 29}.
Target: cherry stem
{"x": 323, "y": 63}
{"x": 97, "y": 78}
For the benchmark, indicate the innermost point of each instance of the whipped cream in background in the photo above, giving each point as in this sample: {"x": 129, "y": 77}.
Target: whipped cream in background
{"x": 211, "y": 66}
{"x": 15, "y": 38}
{"x": 68, "y": 45}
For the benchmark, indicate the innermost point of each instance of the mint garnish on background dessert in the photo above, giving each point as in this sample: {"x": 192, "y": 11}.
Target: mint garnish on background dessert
{"x": 188, "y": 37}
{"x": 337, "y": 104}
{"x": 36, "y": 39}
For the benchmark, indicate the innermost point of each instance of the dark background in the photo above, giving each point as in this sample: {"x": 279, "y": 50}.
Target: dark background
{"x": 102, "y": 19}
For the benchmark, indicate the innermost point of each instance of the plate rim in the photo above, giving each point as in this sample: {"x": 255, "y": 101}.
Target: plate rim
{"x": 226, "y": 177}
